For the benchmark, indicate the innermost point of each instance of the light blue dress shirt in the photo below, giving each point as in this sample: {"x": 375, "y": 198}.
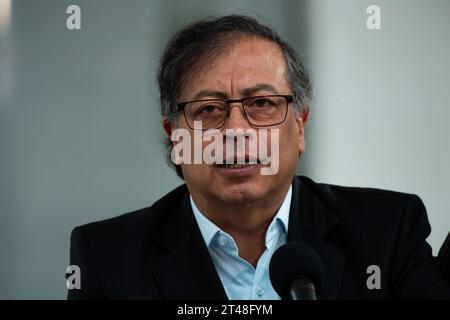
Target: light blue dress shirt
{"x": 239, "y": 278}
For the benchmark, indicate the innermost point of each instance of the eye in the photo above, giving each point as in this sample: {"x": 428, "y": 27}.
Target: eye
{"x": 209, "y": 109}
{"x": 262, "y": 103}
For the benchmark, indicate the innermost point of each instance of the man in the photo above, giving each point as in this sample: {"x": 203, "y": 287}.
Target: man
{"x": 213, "y": 237}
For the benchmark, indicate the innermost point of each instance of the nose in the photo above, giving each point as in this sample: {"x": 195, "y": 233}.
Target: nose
{"x": 237, "y": 119}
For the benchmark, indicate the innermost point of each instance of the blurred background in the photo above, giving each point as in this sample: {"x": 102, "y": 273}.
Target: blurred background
{"x": 80, "y": 132}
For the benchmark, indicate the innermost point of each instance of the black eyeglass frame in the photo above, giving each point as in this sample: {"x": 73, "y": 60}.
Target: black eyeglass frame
{"x": 289, "y": 98}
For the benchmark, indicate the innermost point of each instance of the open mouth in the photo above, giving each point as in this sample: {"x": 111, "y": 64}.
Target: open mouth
{"x": 237, "y": 165}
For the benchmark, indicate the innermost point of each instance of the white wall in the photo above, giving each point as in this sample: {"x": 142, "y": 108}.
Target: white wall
{"x": 381, "y": 111}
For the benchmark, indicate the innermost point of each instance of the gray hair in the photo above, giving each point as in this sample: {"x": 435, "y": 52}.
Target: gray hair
{"x": 186, "y": 54}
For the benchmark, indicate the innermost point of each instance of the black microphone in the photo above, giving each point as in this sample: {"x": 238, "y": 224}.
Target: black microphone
{"x": 444, "y": 258}
{"x": 296, "y": 272}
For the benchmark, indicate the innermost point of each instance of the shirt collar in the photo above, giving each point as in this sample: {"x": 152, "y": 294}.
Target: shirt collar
{"x": 283, "y": 213}
{"x": 209, "y": 229}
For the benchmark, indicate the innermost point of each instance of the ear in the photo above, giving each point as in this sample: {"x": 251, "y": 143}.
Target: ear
{"x": 301, "y": 119}
{"x": 303, "y": 116}
{"x": 168, "y": 126}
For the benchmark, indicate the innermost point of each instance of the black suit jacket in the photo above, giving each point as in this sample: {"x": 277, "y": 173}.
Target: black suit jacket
{"x": 444, "y": 255}
{"x": 159, "y": 253}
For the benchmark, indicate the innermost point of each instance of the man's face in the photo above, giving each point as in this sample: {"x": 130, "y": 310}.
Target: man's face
{"x": 247, "y": 64}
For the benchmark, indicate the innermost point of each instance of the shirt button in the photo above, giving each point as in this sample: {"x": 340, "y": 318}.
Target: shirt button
{"x": 259, "y": 290}
{"x": 272, "y": 229}
{"x": 221, "y": 240}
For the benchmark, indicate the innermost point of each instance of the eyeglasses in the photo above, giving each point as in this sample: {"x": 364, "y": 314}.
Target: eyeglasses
{"x": 260, "y": 111}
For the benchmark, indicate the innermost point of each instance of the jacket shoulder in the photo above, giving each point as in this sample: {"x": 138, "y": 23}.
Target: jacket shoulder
{"x": 131, "y": 223}
{"x": 354, "y": 203}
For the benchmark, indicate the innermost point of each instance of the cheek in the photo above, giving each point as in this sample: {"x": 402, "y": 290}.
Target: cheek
{"x": 196, "y": 173}
{"x": 289, "y": 139}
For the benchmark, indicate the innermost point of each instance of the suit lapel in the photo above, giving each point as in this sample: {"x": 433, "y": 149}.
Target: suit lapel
{"x": 186, "y": 271}
{"x": 310, "y": 222}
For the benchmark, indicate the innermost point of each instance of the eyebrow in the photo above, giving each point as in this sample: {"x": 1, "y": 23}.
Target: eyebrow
{"x": 244, "y": 92}
{"x": 210, "y": 93}
{"x": 259, "y": 87}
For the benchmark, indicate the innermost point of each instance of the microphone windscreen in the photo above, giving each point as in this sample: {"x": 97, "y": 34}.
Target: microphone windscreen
{"x": 294, "y": 261}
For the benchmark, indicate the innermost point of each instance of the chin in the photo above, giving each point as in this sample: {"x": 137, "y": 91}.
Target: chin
{"x": 243, "y": 193}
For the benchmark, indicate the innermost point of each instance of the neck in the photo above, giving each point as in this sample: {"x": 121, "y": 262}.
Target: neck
{"x": 247, "y": 223}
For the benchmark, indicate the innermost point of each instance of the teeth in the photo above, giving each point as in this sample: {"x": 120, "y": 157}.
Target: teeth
{"x": 235, "y": 165}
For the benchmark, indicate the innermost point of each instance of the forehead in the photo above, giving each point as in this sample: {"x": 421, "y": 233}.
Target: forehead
{"x": 245, "y": 63}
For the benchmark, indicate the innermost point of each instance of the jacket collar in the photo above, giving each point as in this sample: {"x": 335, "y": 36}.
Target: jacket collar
{"x": 186, "y": 271}
{"x": 311, "y": 221}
